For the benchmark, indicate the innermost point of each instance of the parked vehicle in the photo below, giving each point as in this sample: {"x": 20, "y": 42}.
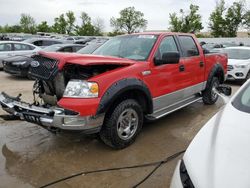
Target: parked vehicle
{"x": 90, "y": 47}
{"x": 44, "y": 42}
{"x": 63, "y": 48}
{"x": 211, "y": 46}
{"x": 126, "y": 79}
{"x": 238, "y": 67}
{"x": 12, "y": 48}
{"x": 84, "y": 41}
{"x": 19, "y": 65}
{"x": 218, "y": 156}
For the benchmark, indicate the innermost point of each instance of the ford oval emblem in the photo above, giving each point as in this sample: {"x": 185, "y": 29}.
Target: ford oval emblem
{"x": 34, "y": 64}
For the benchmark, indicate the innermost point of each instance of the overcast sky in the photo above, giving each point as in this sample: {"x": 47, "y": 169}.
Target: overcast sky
{"x": 155, "y": 11}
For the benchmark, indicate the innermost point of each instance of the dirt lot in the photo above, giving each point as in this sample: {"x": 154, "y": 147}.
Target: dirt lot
{"x": 31, "y": 156}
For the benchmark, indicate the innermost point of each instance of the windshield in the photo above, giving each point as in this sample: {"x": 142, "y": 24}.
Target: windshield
{"x": 89, "y": 49}
{"x": 238, "y": 53}
{"x": 136, "y": 47}
{"x": 242, "y": 100}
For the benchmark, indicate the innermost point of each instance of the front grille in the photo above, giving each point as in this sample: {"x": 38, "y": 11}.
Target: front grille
{"x": 43, "y": 68}
{"x": 230, "y": 67}
{"x": 185, "y": 178}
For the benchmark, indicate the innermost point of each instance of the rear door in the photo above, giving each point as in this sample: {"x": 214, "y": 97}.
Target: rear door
{"x": 193, "y": 63}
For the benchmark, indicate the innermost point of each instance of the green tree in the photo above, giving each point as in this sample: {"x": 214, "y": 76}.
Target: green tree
{"x": 234, "y": 18}
{"x": 27, "y": 23}
{"x": 60, "y": 25}
{"x": 70, "y": 22}
{"x": 43, "y": 27}
{"x": 130, "y": 21}
{"x": 187, "y": 23}
{"x": 225, "y": 22}
{"x": 217, "y": 22}
{"x": 86, "y": 28}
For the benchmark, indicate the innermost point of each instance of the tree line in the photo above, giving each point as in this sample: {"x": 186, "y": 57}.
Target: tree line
{"x": 223, "y": 22}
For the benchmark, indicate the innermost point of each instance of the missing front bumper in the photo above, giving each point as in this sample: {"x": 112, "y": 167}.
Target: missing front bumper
{"x": 51, "y": 118}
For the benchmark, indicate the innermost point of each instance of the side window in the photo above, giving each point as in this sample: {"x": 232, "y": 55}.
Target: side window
{"x": 188, "y": 46}
{"x": 5, "y": 47}
{"x": 167, "y": 45}
{"x": 21, "y": 47}
{"x": 38, "y": 43}
{"x": 66, "y": 49}
{"x": 50, "y": 42}
{"x": 76, "y": 48}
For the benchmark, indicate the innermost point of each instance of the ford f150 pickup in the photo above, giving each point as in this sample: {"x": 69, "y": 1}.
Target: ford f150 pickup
{"x": 129, "y": 79}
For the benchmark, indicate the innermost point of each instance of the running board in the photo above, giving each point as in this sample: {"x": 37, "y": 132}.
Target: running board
{"x": 171, "y": 108}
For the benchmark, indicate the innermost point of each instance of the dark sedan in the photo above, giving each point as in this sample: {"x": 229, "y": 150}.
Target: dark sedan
{"x": 19, "y": 65}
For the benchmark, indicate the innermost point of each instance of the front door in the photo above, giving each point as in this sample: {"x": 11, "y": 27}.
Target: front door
{"x": 167, "y": 79}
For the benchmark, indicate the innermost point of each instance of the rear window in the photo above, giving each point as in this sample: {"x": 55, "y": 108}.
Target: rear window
{"x": 188, "y": 46}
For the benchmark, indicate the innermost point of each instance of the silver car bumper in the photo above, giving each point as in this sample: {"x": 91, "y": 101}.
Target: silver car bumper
{"x": 51, "y": 118}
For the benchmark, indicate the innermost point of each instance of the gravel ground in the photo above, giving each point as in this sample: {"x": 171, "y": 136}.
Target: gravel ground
{"x": 31, "y": 156}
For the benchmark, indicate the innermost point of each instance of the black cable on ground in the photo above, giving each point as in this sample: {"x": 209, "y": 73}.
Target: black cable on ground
{"x": 157, "y": 164}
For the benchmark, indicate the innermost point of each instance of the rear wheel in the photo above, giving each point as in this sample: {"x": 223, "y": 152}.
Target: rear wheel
{"x": 209, "y": 96}
{"x": 122, "y": 125}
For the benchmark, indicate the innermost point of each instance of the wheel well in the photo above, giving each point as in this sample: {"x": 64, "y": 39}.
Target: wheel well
{"x": 220, "y": 75}
{"x": 135, "y": 94}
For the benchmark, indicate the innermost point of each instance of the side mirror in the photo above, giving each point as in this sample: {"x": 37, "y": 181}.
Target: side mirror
{"x": 224, "y": 89}
{"x": 171, "y": 58}
{"x": 168, "y": 58}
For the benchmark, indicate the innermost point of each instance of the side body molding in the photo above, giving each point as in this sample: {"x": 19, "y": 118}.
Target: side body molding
{"x": 119, "y": 88}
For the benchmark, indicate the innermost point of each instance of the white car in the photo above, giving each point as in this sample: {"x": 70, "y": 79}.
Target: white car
{"x": 12, "y": 48}
{"x": 219, "y": 155}
{"x": 238, "y": 67}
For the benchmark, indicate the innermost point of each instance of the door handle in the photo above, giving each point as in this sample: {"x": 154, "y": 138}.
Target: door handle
{"x": 201, "y": 64}
{"x": 181, "y": 68}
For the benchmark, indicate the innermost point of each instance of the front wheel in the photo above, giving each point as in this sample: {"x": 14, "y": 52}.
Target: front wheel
{"x": 209, "y": 96}
{"x": 122, "y": 125}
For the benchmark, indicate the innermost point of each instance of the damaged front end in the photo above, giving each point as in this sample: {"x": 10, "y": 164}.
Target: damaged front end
{"x": 49, "y": 87}
{"x": 52, "y": 118}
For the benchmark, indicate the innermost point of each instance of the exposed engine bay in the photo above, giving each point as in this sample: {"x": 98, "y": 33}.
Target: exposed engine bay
{"x": 48, "y": 92}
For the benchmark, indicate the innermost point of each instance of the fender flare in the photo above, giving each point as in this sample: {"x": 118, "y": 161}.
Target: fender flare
{"x": 120, "y": 87}
{"x": 216, "y": 71}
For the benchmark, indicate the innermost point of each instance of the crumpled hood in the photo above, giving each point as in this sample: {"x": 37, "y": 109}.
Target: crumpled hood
{"x": 219, "y": 155}
{"x": 80, "y": 59}
{"x": 238, "y": 62}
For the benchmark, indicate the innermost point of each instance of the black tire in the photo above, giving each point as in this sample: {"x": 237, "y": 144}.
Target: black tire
{"x": 208, "y": 95}
{"x": 109, "y": 132}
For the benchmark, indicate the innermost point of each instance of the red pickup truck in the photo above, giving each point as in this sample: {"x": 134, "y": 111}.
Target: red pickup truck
{"x": 127, "y": 80}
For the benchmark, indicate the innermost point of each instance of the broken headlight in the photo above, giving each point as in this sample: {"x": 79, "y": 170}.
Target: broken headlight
{"x": 81, "y": 89}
